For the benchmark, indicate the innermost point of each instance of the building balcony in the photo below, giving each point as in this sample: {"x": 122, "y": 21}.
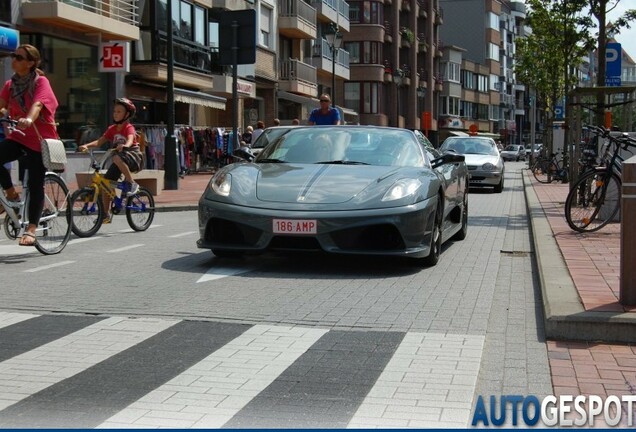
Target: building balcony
{"x": 111, "y": 20}
{"x": 422, "y": 8}
{"x": 321, "y": 59}
{"x": 229, "y": 4}
{"x": 439, "y": 16}
{"x": 297, "y": 20}
{"x": 367, "y": 72}
{"x": 297, "y": 77}
{"x": 388, "y": 37}
{"x": 336, "y": 11}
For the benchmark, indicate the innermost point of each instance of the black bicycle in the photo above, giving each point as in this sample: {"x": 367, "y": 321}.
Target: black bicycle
{"x": 547, "y": 170}
{"x": 595, "y": 199}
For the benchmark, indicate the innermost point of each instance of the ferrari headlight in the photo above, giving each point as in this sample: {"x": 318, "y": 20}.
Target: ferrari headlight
{"x": 221, "y": 184}
{"x": 488, "y": 167}
{"x": 402, "y": 188}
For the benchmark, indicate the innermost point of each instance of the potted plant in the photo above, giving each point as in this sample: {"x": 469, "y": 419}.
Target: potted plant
{"x": 407, "y": 34}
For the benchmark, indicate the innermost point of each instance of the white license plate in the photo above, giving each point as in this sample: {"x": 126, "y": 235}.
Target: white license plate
{"x": 295, "y": 226}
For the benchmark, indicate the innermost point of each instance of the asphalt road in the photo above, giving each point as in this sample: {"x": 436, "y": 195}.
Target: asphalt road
{"x": 473, "y": 321}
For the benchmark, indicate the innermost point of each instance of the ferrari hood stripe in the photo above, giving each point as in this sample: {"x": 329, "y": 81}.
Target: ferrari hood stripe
{"x": 306, "y": 188}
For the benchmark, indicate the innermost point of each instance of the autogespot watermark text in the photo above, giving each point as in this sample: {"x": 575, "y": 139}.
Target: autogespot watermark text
{"x": 564, "y": 410}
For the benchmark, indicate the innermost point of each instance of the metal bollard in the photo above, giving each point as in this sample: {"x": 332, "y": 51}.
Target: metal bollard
{"x": 628, "y": 234}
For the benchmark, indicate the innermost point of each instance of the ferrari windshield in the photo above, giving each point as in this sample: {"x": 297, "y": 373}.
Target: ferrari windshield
{"x": 345, "y": 145}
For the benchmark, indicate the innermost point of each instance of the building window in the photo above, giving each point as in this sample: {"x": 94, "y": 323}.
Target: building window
{"x": 450, "y": 71}
{"x": 466, "y": 109}
{"x": 449, "y": 105}
{"x": 482, "y": 83}
{"x": 5, "y": 12}
{"x": 364, "y": 52}
{"x": 362, "y": 97}
{"x": 494, "y": 112}
{"x": 366, "y": 12}
{"x": 493, "y": 21}
{"x": 265, "y": 30}
{"x": 493, "y": 51}
{"x": 469, "y": 80}
{"x": 77, "y": 67}
{"x": 199, "y": 25}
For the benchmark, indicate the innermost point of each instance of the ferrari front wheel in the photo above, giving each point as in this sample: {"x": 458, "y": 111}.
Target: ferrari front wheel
{"x": 436, "y": 236}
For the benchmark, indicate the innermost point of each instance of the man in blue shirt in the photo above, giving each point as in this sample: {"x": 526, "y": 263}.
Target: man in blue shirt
{"x": 325, "y": 115}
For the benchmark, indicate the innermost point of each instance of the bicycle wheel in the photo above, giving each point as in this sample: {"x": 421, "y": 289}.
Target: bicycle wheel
{"x": 140, "y": 210}
{"x": 88, "y": 212}
{"x": 593, "y": 201}
{"x": 541, "y": 170}
{"x": 54, "y": 229}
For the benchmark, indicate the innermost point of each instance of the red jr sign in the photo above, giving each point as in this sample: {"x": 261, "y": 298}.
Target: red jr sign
{"x": 114, "y": 57}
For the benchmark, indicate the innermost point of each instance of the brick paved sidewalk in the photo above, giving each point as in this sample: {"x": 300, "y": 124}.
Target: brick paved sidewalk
{"x": 593, "y": 259}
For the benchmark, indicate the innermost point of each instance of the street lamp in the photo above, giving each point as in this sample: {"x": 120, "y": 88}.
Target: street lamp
{"x": 334, "y": 40}
{"x": 421, "y": 93}
{"x": 398, "y": 75}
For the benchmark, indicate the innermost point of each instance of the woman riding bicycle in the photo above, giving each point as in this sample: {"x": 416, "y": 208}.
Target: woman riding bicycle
{"x": 123, "y": 137}
{"x": 29, "y": 98}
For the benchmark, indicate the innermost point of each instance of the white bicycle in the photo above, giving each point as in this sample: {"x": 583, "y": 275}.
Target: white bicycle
{"x": 54, "y": 229}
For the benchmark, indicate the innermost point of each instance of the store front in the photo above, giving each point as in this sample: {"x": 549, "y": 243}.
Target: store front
{"x": 82, "y": 92}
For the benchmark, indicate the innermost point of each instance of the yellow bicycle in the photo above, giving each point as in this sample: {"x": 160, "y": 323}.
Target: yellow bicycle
{"x": 88, "y": 207}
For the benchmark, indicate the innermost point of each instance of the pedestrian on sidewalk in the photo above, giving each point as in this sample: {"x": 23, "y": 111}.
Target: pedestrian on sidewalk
{"x": 325, "y": 115}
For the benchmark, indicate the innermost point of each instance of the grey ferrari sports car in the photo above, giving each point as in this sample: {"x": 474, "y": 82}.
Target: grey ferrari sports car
{"x": 340, "y": 189}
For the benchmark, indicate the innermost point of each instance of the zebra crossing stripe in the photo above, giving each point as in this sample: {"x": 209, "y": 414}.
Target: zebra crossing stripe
{"x": 160, "y": 351}
{"x": 31, "y": 331}
{"x": 212, "y": 391}
{"x": 10, "y": 318}
{"x": 429, "y": 383}
{"x": 325, "y": 386}
{"x": 35, "y": 370}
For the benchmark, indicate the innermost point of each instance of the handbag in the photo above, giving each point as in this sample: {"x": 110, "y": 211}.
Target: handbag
{"x": 53, "y": 152}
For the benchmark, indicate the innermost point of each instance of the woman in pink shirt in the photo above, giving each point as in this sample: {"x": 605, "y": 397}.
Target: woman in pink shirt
{"x": 28, "y": 98}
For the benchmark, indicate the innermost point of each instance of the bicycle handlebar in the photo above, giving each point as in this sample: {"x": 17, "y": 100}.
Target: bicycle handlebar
{"x": 11, "y": 125}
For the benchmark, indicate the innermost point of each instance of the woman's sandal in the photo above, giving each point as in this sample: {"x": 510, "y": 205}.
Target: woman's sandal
{"x": 30, "y": 242}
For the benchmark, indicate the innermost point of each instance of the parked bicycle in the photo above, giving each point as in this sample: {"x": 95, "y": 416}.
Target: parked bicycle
{"x": 594, "y": 200}
{"x": 88, "y": 206}
{"x": 54, "y": 229}
{"x": 547, "y": 170}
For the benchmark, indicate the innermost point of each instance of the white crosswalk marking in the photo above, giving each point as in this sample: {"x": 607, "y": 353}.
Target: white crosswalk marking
{"x": 10, "y": 318}
{"x": 208, "y": 394}
{"x": 429, "y": 382}
{"x": 35, "y": 370}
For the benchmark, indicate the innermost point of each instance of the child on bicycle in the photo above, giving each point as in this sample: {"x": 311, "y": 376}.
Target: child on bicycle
{"x": 123, "y": 138}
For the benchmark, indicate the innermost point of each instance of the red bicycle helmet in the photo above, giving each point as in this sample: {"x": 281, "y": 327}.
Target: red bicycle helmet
{"x": 126, "y": 103}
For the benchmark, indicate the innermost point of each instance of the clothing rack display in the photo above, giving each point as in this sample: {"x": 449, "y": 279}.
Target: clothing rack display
{"x": 200, "y": 148}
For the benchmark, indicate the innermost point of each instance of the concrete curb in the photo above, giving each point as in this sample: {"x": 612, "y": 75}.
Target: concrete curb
{"x": 175, "y": 207}
{"x": 564, "y": 314}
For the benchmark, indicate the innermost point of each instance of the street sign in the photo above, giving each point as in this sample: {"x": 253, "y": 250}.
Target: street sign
{"x": 558, "y": 112}
{"x": 9, "y": 39}
{"x": 245, "y": 42}
{"x": 613, "y": 57}
{"x": 114, "y": 57}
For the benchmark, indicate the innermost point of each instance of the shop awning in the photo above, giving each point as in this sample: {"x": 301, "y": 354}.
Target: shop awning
{"x": 459, "y": 133}
{"x": 349, "y": 116}
{"x": 199, "y": 98}
{"x": 304, "y": 100}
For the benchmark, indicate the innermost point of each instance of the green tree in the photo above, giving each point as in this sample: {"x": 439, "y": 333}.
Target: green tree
{"x": 559, "y": 39}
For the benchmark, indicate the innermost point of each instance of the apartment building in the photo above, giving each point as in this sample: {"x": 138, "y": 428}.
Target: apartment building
{"x": 308, "y": 64}
{"x": 481, "y": 35}
{"x": 394, "y": 52}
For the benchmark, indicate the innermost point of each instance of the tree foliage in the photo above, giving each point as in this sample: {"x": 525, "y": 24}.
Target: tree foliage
{"x": 560, "y": 38}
